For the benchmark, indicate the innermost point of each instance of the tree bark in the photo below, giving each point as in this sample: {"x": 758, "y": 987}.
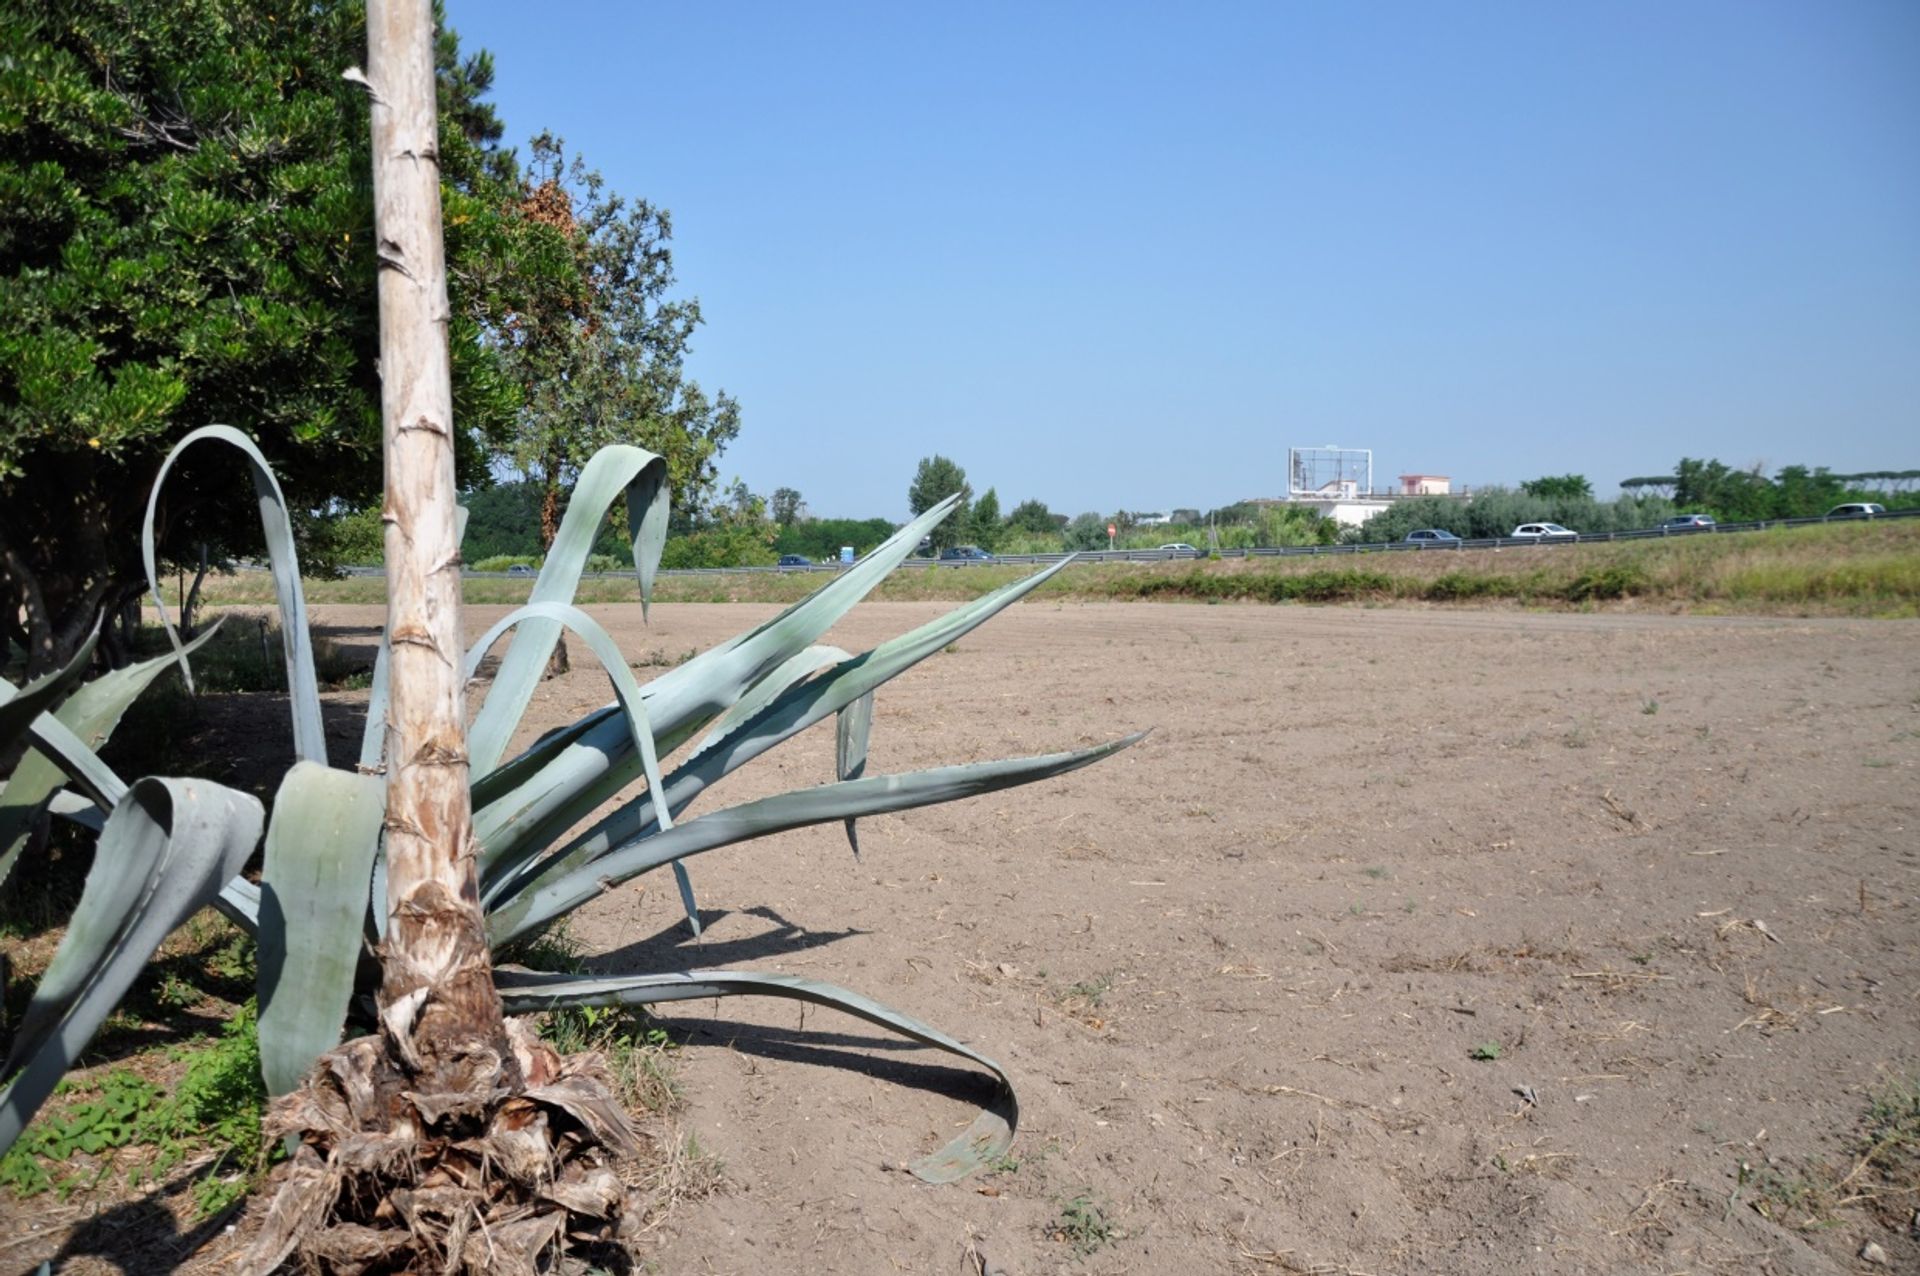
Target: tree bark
{"x": 438, "y": 1006}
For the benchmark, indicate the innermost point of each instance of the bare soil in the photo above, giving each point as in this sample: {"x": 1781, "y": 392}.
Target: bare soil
{"x": 1409, "y": 941}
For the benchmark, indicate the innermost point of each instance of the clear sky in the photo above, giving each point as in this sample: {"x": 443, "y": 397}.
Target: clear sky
{"x": 1120, "y": 256}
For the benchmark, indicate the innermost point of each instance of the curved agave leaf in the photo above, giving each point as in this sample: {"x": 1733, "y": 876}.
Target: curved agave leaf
{"x": 24, "y": 797}
{"x": 313, "y": 909}
{"x": 613, "y": 470}
{"x": 601, "y": 762}
{"x": 303, "y": 686}
{"x": 626, "y": 690}
{"x": 19, "y": 706}
{"x": 852, "y": 730}
{"x": 502, "y": 875}
{"x": 67, "y": 739}
{"x": 165, "y": 851}
{"x": 793, "y": 711}
{"x": 565, "y": 887}
{"x": 988, "y": 1137}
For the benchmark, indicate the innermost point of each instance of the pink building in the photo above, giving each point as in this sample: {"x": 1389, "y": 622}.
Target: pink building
{"x": 1425, "y": 485}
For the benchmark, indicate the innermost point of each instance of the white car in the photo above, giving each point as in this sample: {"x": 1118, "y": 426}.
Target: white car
{"x": 1543, "y": 532}
{"x": 1857, "y": 509}
{"x": 1180, "y": 547}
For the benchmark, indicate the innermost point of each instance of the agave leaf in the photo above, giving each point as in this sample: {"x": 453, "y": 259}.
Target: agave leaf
{"x": 165, "y": 851}
{"x": 22, "y": 799}
{"x": 373, "y": 734}
{"x": 852, "y": 730}
{"x": 68, "y": 738}
{"x": 988, "y": 1137}
{"x": 761, "y": 694}
{"x": 19, "y": 706}
{"x": 797, "y": 708}
{"x": 565, "y": 886}
{"x": 239, "y": 903}
{"x": 626, "y": 690}
{"x": 313, "y": 909}
{"x": 613, "y": 470}
{"x": 303, "y": 686}
{"x": 601, "y": 762}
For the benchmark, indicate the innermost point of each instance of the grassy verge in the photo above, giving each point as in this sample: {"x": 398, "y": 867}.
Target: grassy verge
{"x": 1851, "y": 570}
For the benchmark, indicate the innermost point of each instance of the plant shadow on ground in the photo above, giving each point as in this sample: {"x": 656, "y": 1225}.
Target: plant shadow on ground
{"x": 666, "y": 949}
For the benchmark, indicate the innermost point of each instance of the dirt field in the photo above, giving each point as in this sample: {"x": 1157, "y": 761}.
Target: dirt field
{"x": 1410, "y": 941}
{"x": 1663, "y": 867}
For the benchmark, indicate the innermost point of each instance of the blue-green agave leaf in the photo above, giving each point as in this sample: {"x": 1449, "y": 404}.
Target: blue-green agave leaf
{"x": 626, "y": 691}
{"x": 164, "y": 853}
{"x": 303, "y": 686}
{"x": 564, "y": 887}
{"x": 987, "y": 1138}
{"x": 795, "y": 709}
{"x": 68, "y": 739}
{"x": 852, "y": 730}
{"x": 613, "y": 470}
{"x": 601, "y": 761}
{"x": 313, "y": 908}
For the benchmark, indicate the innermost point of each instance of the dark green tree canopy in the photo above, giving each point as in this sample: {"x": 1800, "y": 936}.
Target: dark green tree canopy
{"x": 185, "y": 210}
{"x": 984, "y": 522}
{"x": 1559, "y": 487}
{"x": 934, "y": 481}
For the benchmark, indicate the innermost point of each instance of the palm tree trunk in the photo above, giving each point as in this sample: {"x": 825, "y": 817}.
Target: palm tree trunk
{"x": 438, "y": 1006}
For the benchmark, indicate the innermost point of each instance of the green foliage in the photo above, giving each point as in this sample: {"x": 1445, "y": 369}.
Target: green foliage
{"x": 1559, "y": 487}
{"x": 1084, "y": 1224}
{"x": 934, "y": 480}
{"x": 983, "y": 521}
{"x": 1495, "y": 511}
{"x": 787, "y": 507}
{"x": 1795, "y": 491}
{"x": 1085, "y": 531}
{"x": 1485, "y": 1052}
{"x": 1033, "y": 518}
{"x": 821, "y": 538}
{"x": 218, "y": 1102}
{"x": 732, "y": 545}
{"x": 187, "y": 239}
{"x": 355, "y": 538}
{"x": 598, "y": 347}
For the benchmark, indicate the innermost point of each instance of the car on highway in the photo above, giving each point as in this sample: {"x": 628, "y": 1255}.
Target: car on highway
{"x": 1687, "y": 523}
{"x": 1181, "y": 547}
{"x": 795, "y": 560}
{"x": 1432, "y": 536}
{"x": 1543, "y": 532}
{"x": 520, "y": 569}
{"x": 960, "y": 555}
{"x": 1857, "y": 509}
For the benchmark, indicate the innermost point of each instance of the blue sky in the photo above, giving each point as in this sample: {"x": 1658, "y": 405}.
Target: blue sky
{"x": 1120, "y": 256}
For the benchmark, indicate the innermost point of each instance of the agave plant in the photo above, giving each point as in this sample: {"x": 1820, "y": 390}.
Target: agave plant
{"x": 167, "y": 847}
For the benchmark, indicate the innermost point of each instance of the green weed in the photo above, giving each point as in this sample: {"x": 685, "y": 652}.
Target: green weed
{"x": 1485, "y": 1052}
{"x": 1083, "y": 1223}
{"x": 217, "y": 1103}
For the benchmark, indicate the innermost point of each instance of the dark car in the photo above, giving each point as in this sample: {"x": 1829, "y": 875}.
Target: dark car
{"x": 960, "y": 555}
{"x": 1432, "y": 536}
{"x": 1687, "y": 523}
{"x": 795, "y": 560}
{"x": 521, "y": 569}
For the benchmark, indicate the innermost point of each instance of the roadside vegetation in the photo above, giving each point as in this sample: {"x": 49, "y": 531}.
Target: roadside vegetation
{"x": 1847, "y": 570}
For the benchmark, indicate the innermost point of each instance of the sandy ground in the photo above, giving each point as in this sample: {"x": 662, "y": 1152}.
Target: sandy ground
{"x": 1664, "y": 866}
{"x": 1661, "y": 869}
